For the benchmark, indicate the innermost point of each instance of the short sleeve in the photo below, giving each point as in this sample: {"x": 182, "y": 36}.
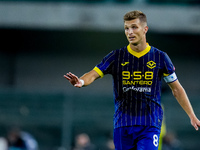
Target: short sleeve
{"x": 106, "y": 65}
{"x": 169, "y": 70}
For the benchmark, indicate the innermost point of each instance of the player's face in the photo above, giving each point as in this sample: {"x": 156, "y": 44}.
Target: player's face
{"x": 135, "y": 31}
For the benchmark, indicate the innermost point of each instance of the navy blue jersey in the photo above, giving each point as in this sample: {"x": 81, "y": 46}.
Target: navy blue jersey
{"x": 137, "y": 84}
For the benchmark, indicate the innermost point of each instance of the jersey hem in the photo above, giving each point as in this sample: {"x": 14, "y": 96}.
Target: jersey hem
{"x": 159, "y": 127}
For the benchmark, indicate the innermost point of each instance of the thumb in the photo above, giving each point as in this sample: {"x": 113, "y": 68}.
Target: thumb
{"x": 196, "y": 124}
{"x": 78, "y": 84}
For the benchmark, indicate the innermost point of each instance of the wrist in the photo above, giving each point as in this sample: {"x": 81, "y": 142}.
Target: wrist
{"x": 82, "y": 82}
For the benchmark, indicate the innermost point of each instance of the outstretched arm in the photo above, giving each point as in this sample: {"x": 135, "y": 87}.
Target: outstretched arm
{"x": 181, "y": 96}
{"x": 85, "y": 80}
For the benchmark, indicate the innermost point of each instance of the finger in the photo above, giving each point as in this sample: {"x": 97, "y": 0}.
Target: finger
{"x": 68, "y": 78}
{"x": 73, "y": 75}
{"x": 196, "y": 127}
{"x": 69, "y": 75}
{"x": 78, "y": 85}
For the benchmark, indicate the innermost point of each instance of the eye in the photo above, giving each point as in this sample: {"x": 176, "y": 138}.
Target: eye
{"x": 134, "y": 27}
{"x": 126, "y": 28}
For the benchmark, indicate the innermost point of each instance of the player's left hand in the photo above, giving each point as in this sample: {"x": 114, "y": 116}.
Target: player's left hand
{"x": 195, "y": 123}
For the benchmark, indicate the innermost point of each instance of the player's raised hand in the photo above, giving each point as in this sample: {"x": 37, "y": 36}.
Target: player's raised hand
{"x": 73, "y": 79}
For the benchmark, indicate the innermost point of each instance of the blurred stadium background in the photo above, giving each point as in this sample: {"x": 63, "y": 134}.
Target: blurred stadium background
{"x": 41, "y": 40}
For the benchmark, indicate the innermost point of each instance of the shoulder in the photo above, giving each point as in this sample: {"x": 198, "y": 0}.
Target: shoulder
{"x": 154, "y": 49}
{"x": 123, "y": 49}
{"x": 113, "y": 55}
{"x": 158, "y": 51}
{"x": 117, "y": 51}
{"x": 120, "y": 50}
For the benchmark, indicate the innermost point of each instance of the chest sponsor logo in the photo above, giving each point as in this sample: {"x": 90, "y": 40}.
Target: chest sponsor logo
{"x": 137, "y": 89}
{"x": 151, "y": 64}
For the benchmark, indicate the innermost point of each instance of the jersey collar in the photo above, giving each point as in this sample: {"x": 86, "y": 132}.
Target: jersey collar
{"x": 139, "y": 54}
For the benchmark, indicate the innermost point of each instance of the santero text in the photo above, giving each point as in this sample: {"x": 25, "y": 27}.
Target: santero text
{"x": 141, "y": 82}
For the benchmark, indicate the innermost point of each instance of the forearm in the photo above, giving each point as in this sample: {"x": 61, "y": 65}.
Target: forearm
{"x": 181, "y": 96}
{"x": 89, "y": 77}
{"x": 183, "y": 100}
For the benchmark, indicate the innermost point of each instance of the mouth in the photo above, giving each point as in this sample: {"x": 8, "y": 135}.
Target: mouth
{"x": 131, "y": 38}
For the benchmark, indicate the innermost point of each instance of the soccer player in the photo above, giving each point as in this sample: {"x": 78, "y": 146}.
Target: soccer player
{"x": 137, "y": 70}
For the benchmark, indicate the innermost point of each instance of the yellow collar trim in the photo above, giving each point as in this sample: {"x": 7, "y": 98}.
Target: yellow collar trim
{"x": 139, "y": 54}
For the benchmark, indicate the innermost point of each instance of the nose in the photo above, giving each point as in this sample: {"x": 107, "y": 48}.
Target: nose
{"x": 130, "y": 31}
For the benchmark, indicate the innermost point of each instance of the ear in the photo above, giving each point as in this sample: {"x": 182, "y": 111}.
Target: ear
{"x": 146, "y": 28}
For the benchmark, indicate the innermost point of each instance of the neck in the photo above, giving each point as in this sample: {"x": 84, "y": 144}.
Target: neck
{"x": 138, "y": 47}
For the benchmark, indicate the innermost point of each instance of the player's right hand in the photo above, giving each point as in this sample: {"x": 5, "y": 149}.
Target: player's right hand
{"x": 73, "y": 79}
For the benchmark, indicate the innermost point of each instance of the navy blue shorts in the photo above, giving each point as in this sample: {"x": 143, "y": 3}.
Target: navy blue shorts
{"x": 136, "y": 138}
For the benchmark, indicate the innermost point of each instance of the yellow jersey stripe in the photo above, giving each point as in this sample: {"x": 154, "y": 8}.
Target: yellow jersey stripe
{"x": 139, "y": 54}
{"x": 165, "y": 75}
{"x": 98, "y": 71}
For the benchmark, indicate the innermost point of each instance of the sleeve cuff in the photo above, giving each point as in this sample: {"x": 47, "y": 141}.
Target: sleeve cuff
{"x": 98, "y": 71}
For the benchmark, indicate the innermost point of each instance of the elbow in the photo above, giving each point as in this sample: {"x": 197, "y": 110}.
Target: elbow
{"x": 177, "y": 92}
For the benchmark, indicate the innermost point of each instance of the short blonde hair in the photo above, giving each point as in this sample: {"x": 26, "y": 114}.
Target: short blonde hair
{"x": 134, "y": 15}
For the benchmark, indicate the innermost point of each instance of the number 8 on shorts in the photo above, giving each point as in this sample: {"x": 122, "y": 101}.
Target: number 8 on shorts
{"x": 155, "y": 140}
